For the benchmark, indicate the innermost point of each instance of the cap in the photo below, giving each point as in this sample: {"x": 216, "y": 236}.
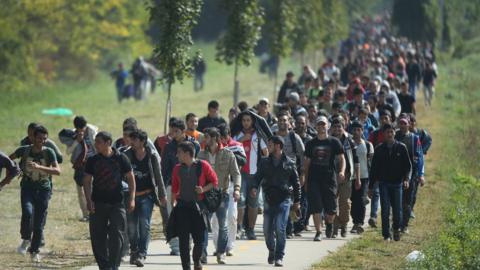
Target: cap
{"x": 264, "y": 100}
{"x": 294, "y": 96}
{"x": 356, "y": 124}
{"x": 404, "y": 120}
{"x": 321, "y": 119}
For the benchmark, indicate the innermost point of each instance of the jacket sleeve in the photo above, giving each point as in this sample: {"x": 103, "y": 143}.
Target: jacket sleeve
{"x": 175, "y": 180}
{"x": 407, "y": 165}
{"x": 234, "y": 171}
{"x": 376, "y": 164}
{"x": 259, "y": 174}
{"x": 210, "y": 175}
{"x": 295, "y": 183}
{"x": 419, "y": 156}
{"x": 162, "y": 193}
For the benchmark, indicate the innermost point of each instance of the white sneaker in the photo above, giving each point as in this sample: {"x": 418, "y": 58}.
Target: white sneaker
{"x": 22, "y": 249}
{"x": 35, "y": 257}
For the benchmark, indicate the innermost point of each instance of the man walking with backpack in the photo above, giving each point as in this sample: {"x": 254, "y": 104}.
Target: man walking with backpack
{"x": 38, "y": 164}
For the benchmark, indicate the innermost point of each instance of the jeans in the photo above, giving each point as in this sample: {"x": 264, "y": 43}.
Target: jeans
{"x": 391, "y": 197}
{"x": 34, "y": 215}
{"x": 231, "y": 221}
{"x": 374, "y": 201}
{"x": 428, "y": 94}
{"x": 407, "y": 202}
{"x": 274, "y": 227}
{"x": 139, "y": 224}
{"x": 359, "y": 199}
{"x": 190, "y": 223}
{"x": 412, "y": 88}
{"x": 222, "y": 239}
{"x": 107, "y": 226}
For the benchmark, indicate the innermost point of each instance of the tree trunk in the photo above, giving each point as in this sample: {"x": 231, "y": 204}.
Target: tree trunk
{"x": 275, "y": 83}
{"x": 168, "y": 110}
{"x": 236, "y": 85}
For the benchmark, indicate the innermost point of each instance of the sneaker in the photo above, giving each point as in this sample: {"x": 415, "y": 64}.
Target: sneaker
{"x": 271, "y": 258}
{"x": 405, "y": 230}
{"x": 360, "y": 229}
{"x": 396, "y": 235}
{"x": 279, "y": 263}
{"x": 318, "y": 237}
{"x": 174, "y": 253}
{"x": 251, "y": 235}
{"x": 354, "y": 228}
{"x": 343, "y": 232}
{"x": 35, "y": 257}
{"x": 84, "y": 219}
{"x": 140, "y": 261}
{"x": 329, "y": 230}
{"x": 412, "y": 215}
{"x": 203, "y": 259}
{"x": 221, "y": 259}
{"x": 289, "y": 236}
{"x": 297, "y": 234}
{"x": 229, "y": 253}
{"x": 387, "y": 239}
{"x": 22, "y": 249}
{"x": 240, "y": 234}
{"x": 372, "y": 222}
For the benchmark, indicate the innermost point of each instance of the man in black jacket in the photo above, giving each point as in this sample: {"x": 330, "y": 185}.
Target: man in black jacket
{"x": 391, "y": 168}
{"x": 289, "y": 86}
{"x": 280, "y": 181}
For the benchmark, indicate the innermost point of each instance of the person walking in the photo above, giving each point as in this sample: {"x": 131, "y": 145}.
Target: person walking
{"x": 102, "y": 182}
{"x": 280, "y": 182}
{"x": 391, "y": 169}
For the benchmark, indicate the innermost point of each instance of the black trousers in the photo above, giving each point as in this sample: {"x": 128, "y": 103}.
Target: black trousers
{"x": 188, "y": 222}
{"x": 359, "y": 201}
{"x": 107, "y": 227}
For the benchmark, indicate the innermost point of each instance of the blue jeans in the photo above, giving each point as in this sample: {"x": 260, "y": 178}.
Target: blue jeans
{"x": 221, "y": 214}
{"x": 138, "y": 223}
{"x": 274, "y": 227}
{"x": 412, "y": 88}
{"x": 374, "y": 201}
{"x": 34, "y": 215}
{"x": 391, "y": 197}
{"x": 245, "y": 189}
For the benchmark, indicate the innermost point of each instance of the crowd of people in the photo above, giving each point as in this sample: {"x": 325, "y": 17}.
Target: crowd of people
{"x": 335, "y": 141}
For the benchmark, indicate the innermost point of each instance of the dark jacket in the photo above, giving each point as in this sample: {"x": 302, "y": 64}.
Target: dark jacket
{"x": 390, "y": 166}
{"x": 208, "y": 122}
{"x": 155, "y": 173}
{"x": 170, "y": 159}
{"x": 280, "y": 180}
{"x": 285, "y": 90}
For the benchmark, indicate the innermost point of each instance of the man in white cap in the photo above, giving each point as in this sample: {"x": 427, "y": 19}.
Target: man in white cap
{"x": 321, "y": 154}
{"x": 263, "y": 109}
{"x": 294, "y": 105}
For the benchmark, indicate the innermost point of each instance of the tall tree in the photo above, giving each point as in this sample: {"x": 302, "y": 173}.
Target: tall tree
{"x": 175, "y": 20}
{"x": 278, "y": 29}
{"x": 416, "y": 19}
{"x": 245, "y": 18}
{"x": 335, "y": 22}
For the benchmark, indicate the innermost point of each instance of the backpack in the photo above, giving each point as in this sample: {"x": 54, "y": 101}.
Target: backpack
{"x": 212, "y": 198}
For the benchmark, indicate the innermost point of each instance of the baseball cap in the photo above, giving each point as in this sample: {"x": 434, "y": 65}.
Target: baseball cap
{"x": 321, "y": 119}
{"x": 264, "y": 100}
{"x": 294, "y": 96}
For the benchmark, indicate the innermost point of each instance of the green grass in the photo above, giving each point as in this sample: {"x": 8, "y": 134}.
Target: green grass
{"x": 67, "y": 239}
{"x": 454, "y": 156}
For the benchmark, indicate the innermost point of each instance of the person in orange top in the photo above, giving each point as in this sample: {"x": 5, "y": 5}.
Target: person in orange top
{"x": 192, "y": 123}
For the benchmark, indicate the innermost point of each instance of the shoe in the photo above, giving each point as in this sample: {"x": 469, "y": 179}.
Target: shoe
{"x": 133, "y": 258}
{"x": 271, "y": 258}
{"x": 289, "y": 236}
{"x": 229, "y": 253}
{"x": 214, "y": 253}
{"x": 297, "y": 234}
{"x": 84, "y": 219}
{"x": 318, "y": 237}
{"x": 343, "y": 232}
{"x": 412, "y": 215}
{"x": 251, "y": 234}
{"x": 335, "y": 232}
{"x": 35, "y": 257}
{"x": 240, "y": 234}
{"x": 307, "y": 228}
{"x": 387, "y": 239}
{"x": 221, "y": 259}
{"x": 360, "y": 229}
{"x": 329, "y": 230}
{"x": 279, "y": 263}
{"x": 174, "y": 253}
{"x": 372, "y": 222}
{"x": 203, "y": 259}
{"x": 396, "y": 235}
{"x": 197, "y": 266}
{"x": 405, "y": 230}
{"x": 140, "y": 261}
{"x": 22, "y": 249}
{"x": 354, "y": 228}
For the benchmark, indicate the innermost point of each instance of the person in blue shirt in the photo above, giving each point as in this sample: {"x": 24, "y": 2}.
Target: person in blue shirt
{"x": 120, "y": 75}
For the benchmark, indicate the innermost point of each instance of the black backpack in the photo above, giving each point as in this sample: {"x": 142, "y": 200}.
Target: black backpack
{"x": 212, "y": 198}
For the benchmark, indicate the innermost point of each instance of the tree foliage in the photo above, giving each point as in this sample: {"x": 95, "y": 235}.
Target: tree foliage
{"x": 416, "y": 19}
{"x": 245, "y": 18}
{"x": 335, "y": 22}
{"x": 175, "y": 20}
{"x": 308, "y": 31}
{"x": 279, "y": 26}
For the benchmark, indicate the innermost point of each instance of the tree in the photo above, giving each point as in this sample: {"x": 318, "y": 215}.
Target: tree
{"x": 245, "y": 18}
{"x": 278, "y": 29}
{"x": 416, "y": 19}
{"x": 335, "y": 22}
{"x": 175, "y": 20}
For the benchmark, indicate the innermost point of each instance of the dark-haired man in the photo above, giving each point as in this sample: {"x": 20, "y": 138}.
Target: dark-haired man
{"x": 213, "y": 119}
{"x": 149, "y": 190}
{"x": 38, "y": 163}
{"x": 28, "y": 140}
{"x": 192, "y": 124}
{"x": 391, "y": 169}
{"x": 280, "y": 182}
{"x": 104, "y": 173}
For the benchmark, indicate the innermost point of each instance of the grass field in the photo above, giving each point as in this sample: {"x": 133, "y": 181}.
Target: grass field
{"x": 454, "y": 153}
{"x": 67, "y": 238}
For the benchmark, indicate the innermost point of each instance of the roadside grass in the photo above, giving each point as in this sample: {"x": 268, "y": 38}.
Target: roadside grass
{"x": 67, "y": 239}
{"x": 454, "y": 156}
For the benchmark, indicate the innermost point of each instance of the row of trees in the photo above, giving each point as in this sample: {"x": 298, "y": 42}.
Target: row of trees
{"x": 286, "y": 25}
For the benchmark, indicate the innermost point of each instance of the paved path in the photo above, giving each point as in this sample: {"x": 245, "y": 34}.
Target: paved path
{"x": 301, "y": 253}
